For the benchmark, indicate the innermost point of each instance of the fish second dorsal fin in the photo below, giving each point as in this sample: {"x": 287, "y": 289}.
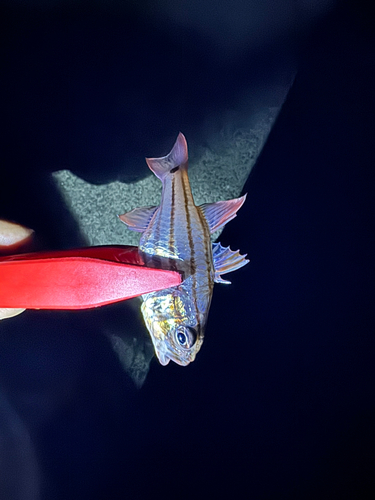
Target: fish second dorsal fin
{"x": 226, "y": 261}
{"x": 219, "y": 213}
{"x": 139, "y": 218}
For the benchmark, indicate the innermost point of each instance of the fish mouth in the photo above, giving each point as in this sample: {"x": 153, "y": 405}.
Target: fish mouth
{"x": 163, "y": 358}
{"x": 179, "y": 361}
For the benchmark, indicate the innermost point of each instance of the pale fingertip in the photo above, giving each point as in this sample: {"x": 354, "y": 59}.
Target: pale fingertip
{"x": 9, "y": 313}
{"x": 13, "y": 234}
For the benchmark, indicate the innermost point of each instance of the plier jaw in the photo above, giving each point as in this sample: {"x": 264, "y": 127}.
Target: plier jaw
{"x": 79, "y": 279}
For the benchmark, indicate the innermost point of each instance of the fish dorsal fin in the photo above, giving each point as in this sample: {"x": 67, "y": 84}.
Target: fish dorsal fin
{"x": 219, "y": 213}
{"x": 177, "y": 157}
{"x": 139, "y": 218}
{"x": 226, "y": 261}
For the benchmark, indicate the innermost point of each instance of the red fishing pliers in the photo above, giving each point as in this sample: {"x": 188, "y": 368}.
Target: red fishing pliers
{"x": 78, "y": 279}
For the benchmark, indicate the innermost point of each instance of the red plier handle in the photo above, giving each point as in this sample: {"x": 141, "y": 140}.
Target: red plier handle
{"x": 78, "y": 279}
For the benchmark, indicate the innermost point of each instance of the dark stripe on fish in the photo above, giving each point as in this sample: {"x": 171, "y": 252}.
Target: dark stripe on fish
{"x": 171, "y": 243}
{"x": 193, "y": 266}
{"x": 207, "y": 246}
{"x": 189, "y": 229}
{"x": 172, "y": 218}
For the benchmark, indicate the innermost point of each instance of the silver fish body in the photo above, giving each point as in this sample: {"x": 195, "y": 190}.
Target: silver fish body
{"x": 179, "y": 231}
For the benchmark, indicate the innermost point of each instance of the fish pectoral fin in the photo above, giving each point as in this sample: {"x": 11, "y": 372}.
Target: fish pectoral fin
{"x": 226, "y": 261}
{"x": 138, "y": 219}
{"x": 219, "y": 213}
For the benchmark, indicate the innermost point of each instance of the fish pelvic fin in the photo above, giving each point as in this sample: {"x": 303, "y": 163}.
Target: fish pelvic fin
{"x": 220, "y": 213}
{"x": 226, "y": 261}
{"x": 177, "y": 158}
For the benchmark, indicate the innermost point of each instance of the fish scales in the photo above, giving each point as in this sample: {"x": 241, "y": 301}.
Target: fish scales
{"x": 179, "y": 231}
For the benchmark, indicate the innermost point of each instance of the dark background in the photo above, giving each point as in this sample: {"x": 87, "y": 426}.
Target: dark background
{"x": 280, "y": 401}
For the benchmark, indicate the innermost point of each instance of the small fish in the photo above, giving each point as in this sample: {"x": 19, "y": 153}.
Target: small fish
{"x": 179, "y": 231}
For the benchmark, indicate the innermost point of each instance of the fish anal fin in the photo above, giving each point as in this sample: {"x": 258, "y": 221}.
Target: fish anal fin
{"x": 226, "y": 261}
{"x": 219, "y": 279}
{"x": 219, "y": 213}
{"x": 138, "y": 219}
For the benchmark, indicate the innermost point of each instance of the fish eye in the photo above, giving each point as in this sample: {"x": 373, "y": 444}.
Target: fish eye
{"x": 186, "y": 336}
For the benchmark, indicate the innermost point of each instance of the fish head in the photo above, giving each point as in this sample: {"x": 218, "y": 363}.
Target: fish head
{"x": 176, "y": 330}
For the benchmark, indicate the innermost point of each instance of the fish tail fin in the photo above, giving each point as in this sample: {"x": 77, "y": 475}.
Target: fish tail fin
{"x": 176, "y": 159}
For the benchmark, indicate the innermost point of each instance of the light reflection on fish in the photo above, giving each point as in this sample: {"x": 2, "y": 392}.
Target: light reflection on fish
{"x": 180, "y": 231}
